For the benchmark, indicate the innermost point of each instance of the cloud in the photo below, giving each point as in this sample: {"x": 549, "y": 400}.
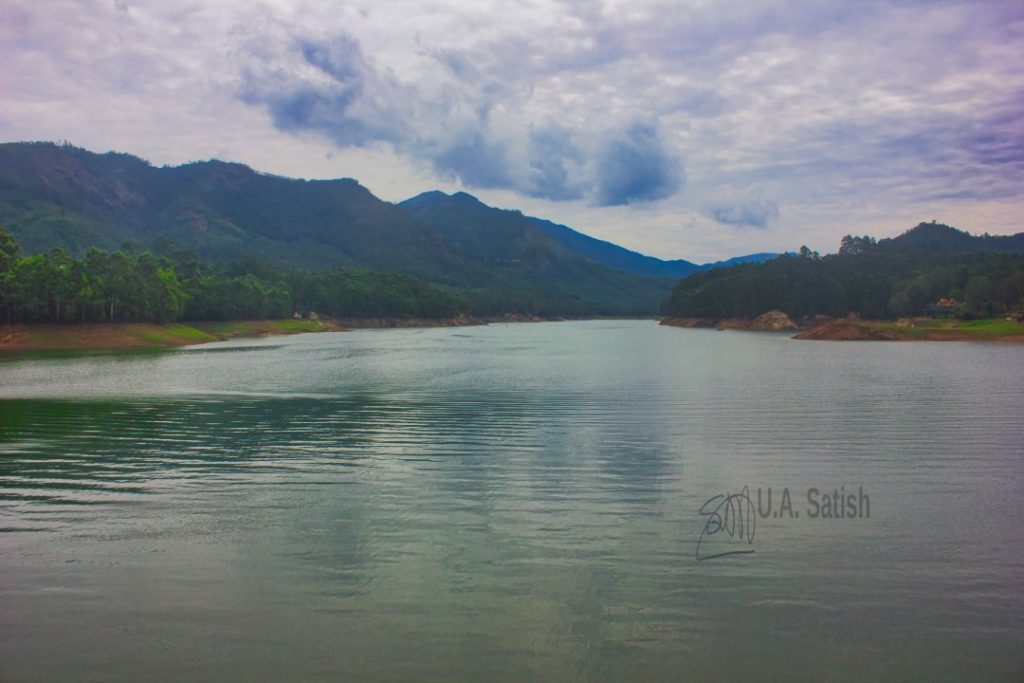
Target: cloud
{"x": 458, "y": 63}
{"x": 328, "y": 86}
{"x": 636, "y": 168}
{"x": 850, "y": 115}
{"x": 754, "y": 212}
{"x": 546, "y": 104}
{"x": 555, "y": 164}
{"x": 475, "y": 160}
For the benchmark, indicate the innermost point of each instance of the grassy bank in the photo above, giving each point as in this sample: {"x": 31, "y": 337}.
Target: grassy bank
{"x": 917, "y": 329}
{"x": 22, "y": 339}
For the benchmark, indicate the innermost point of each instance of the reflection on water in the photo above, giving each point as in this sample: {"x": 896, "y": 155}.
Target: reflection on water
{"x": 509, "y": 502}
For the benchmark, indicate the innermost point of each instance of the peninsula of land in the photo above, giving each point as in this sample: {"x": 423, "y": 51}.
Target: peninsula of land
{"x": 855, "y": 329}
{"x": 48, "y": 338}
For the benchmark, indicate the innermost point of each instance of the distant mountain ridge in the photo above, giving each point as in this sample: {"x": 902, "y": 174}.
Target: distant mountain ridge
{"x": 59, "y": 195}
{"x": 62, "y": 196}
{"x": 619, "y": 257}
{"x": 509, "y": 240}
{"x": 612, "y": 254}
{"x": 596, "y": 250}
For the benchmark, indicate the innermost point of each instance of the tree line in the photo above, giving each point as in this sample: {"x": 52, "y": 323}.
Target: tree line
{"x": 866, "y": 278}
{"x": 129, "y": 285}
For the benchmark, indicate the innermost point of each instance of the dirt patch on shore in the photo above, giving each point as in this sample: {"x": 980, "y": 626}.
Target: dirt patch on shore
{"x": 917, "y": 329}
{"x": 133, "y": 336}
{"x": 98, "y": 336}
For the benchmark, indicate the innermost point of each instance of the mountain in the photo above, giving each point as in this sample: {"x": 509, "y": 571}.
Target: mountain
{"x": 62, "y": 196}
{"x": 514, "y": 245}
{"x": 938, "y": 238}
{"x": 596, "y": 250}
{"x": 630, "y": 261}
{"x": 613, "y": 255}
{"x": 482, "y": 232}
{"x": 624, "y": 259}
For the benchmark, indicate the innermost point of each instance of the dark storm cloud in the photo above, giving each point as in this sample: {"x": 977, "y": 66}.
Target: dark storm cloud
{"x": 636, "y": 168}
{"x": 475, "y": 160}
{"x": 552, "y": 158}
{"x": 324, "y": 86}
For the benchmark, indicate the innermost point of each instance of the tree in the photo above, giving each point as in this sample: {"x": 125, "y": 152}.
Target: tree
{"x": 852, "y": 246}
{"x": 9, "y": 249}
{"x": 879, "y": 283}
{"x": 978, "y": 296}
{"x": 9, "y": 257}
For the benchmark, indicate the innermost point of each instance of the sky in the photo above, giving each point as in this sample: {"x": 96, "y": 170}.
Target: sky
{"x": 688, "y": 129}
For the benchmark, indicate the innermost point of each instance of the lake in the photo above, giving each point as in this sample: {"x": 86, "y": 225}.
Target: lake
{"x": 514, "y": 502}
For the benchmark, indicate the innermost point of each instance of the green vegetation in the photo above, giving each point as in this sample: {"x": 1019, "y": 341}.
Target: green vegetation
{"x": 998, "y": 327}
{"x": 932, "y": 270}
{"x": 125, "y": 286}
{"x": 187, "y": 332}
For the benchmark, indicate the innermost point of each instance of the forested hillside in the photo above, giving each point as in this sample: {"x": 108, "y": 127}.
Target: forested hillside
{"x": 933, "y": 269}
{"x": 130, "y": 286}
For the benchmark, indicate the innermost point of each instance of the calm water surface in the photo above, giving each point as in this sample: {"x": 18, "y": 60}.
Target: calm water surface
{"x": 508, "y": 503}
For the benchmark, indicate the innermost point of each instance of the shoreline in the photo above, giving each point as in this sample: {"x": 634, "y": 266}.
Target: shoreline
{"x": 855, "y": 329}
{"x": 33, "y": 339}
{"x": 916, "y": 329}
{"x": 47, "y": 338}
{"x": 772, "y": 321}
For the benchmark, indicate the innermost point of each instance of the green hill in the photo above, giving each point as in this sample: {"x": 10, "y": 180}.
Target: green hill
{"x": 524, "y": 255}
{"x": 62, "y": 196}
{"x": 932, "y": 269}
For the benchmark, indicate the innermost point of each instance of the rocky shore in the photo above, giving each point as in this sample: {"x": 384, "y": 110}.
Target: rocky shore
{"x": 772, "y": 321}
